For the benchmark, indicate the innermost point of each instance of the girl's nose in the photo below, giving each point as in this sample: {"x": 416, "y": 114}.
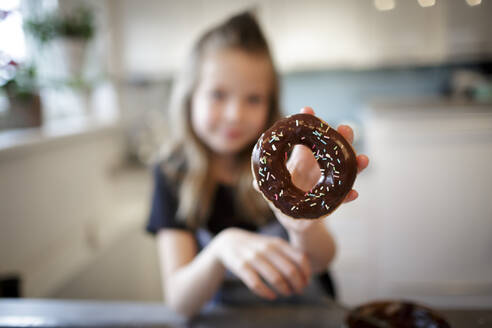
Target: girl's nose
{"x": 234, "y": 110}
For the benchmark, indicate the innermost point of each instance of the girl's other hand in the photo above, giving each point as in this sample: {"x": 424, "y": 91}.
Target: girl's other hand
{"x": 254, "y": 258}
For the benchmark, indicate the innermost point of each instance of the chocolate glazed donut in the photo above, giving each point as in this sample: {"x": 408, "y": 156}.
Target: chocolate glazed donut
{"x": 335, "y": 156}
{"x": 388, "y": 313}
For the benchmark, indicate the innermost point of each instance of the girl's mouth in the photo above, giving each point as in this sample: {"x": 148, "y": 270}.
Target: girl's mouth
{"x": 233, "y": 134}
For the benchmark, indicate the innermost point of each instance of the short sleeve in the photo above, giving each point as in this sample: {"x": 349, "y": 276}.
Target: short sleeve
{"x": 164, "y": 205}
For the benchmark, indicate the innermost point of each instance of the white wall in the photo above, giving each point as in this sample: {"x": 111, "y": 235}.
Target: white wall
{"x": 153, "y": 39}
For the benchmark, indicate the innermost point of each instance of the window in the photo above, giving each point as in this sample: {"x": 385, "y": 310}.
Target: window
{"x": 13, "y": 44}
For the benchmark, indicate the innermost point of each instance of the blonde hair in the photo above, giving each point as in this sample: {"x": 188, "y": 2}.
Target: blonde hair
{"x": 184, "y": 159}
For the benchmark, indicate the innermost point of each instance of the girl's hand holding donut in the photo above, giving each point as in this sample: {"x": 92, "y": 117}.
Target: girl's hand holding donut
{"x": 305, "y": 173}
{"x": 257, "y": 259}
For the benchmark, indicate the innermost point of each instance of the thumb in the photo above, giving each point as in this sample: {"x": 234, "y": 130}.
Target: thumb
{"x": 307, "y": 110}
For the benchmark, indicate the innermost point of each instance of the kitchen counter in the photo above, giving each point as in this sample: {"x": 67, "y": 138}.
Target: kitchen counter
{"x": 66, "y": 132}
{"x": 71, "y": 313}
{"x": 427, "y": 106}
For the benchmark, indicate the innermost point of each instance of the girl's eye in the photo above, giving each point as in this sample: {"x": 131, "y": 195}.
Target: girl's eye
{"x": 218, "y": 95}
{"x": 254, "y": 99}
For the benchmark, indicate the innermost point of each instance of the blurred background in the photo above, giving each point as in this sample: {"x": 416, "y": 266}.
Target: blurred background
{"x": 84, "y": 89}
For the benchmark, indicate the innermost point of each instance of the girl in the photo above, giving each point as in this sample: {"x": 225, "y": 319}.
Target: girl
{"x": 211, "y": 225}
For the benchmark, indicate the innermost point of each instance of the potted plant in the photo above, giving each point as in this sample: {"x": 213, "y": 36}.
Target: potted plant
{"x": 72, "y": 31}
{"x": 18, "y": 82}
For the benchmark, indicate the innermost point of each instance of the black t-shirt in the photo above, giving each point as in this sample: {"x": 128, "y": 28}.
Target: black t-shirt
{"x": 165, "y": 204}
{"x": 223, "y": 215}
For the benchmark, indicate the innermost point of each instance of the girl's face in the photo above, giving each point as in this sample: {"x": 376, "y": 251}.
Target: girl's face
{"x": 230, "y": 105}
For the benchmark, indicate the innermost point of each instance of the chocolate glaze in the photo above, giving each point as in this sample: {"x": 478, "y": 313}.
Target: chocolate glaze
{"x": 335, "y": 156}
{"x": 394, "y": 314}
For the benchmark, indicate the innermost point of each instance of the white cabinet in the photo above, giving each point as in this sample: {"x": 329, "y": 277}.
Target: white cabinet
{"x": 55, "y": 199}
{"x": 426, "y": 208}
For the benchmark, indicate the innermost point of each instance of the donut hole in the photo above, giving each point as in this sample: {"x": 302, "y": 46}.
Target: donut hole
{"x": 302, "y": 174}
